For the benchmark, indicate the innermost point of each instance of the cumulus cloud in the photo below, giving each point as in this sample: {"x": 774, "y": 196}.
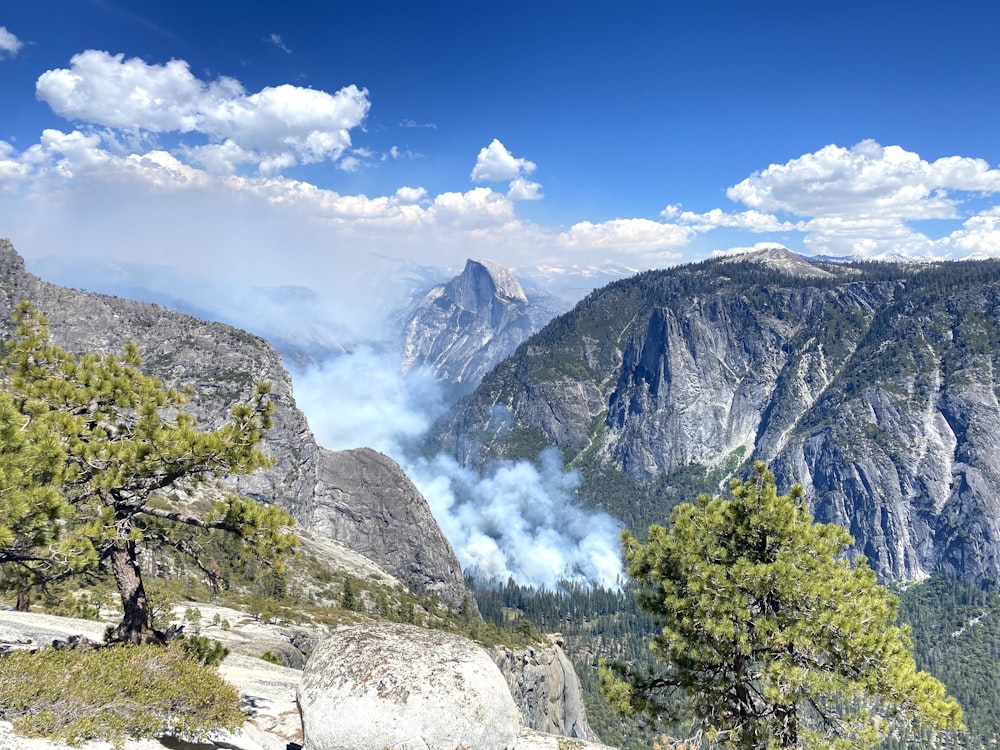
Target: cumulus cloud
{"x": 979, "y": 234}
{"x": 496, "y": 164}
{"x": 410, "y": 195}
{"x": 866, "y": 180}
{"x": 627, "y": 235}
{"x": 861, "y": 200}
{"x": 752, "y": 220}
{"x": 478, "y": 205}
{"x": 278, "y": 126}
{"x": 524, "y": 190}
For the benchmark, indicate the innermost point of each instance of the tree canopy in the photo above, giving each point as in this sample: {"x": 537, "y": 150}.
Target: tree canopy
{"x": 772, "y": 634}
{"x": 93, "y": 445}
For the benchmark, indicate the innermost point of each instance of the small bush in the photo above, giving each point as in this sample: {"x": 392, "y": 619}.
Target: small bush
{"x": 271, "y": 657}
{"x": 115, "y": 693}
{"x": 203, "y": 650}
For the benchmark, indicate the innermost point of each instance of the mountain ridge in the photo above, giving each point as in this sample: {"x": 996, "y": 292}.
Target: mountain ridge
{"x": 851, "y": 379}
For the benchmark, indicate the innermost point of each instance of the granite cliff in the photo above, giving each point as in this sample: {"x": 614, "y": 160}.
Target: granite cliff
{"x": 873, "y": 384}
{"x": 462, "y": 329}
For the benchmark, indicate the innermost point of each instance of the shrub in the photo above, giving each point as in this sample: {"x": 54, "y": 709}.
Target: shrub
{"x": 270, "y": 656}
{"x": 115, "y": 693}
{"x": 203, "y": 650}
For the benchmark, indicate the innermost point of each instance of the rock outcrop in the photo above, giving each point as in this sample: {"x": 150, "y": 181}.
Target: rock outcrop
{"x": 463, "y": 328}
{"x": 378, "y": 685}
{"x": 364, "y": 500}
{"x": 221, "y": 365}
{"x": 545, "y": 688}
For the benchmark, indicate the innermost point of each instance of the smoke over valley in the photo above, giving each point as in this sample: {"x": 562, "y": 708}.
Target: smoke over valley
{"x": 519, "y": 520}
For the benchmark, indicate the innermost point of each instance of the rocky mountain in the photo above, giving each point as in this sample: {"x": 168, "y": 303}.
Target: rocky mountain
{"x": 875, "y": 385}
{"x": 365, "y": 501}
{"x": 463, "y": 328}
{"x": 222, "y": 364}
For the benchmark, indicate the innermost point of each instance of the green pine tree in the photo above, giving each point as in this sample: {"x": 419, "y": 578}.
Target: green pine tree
{"x": 124, "y": 439}
{"x": 32, "y": 509}
{"x": 772, "y": 634}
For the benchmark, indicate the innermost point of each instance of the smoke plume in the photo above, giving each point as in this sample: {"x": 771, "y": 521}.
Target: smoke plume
{"x": 520, "y": 521}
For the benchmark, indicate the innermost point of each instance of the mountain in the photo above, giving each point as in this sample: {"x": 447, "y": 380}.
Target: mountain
{"x": 221, "y": 365}
{"x": 462, "y": 329}
{"x": 874, "y": 385}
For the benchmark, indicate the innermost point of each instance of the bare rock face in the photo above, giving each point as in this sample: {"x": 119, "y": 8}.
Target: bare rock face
{"x": 364, "y": 500}
{"x": 463, "y": 328}
{"x": 546, "y": 689}
{"x": 378, "y": 685}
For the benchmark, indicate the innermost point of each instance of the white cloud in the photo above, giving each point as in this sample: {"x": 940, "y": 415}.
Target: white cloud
{"x": 350, "y": 164}
{"x": 754, "y": 221}
{"x": 408, "y": 123}
{"x": 12, "y": 170}
{"x": 861, "y": 200}
{"x": 410, "y": 195}
{"x": 10, "y": 45}
{"x": 396, "y": 153}
{"x": 477, "y": 206}
{"x": 524, "y": 190}
{"x": 864, "y": 236}
{"x": 979, "y": 234}
{"x": 220, "y": 158}
{"x": 280, "y": 126}
{"x": 867, "y": 180}
{"x": 276, "y": 41}
{"x": 627, "y": 235}
{"x": 495, "y": 164}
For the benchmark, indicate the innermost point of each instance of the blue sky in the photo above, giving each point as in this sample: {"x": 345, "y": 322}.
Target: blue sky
{"x": 288, "y": 143}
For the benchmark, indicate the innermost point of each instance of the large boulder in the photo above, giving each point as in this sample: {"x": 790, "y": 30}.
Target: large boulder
{"x": 377, "y": 685}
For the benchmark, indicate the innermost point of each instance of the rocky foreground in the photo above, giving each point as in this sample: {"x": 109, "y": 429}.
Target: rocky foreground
{"x": 370, "y": 685}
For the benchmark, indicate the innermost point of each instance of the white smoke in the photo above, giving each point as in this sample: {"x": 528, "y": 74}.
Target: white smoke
{"x": 362, "y": 399}
{"x": 519, "y": 521}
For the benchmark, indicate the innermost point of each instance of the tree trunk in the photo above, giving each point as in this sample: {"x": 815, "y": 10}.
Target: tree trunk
{"x": 135, "y": 626}
{"x": 24, "y": 598}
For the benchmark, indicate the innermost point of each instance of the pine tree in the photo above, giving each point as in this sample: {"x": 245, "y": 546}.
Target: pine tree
{"x": 31, "y": 507}
{"x": 776, "y": 638}
{"x": 125, "y": 439}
